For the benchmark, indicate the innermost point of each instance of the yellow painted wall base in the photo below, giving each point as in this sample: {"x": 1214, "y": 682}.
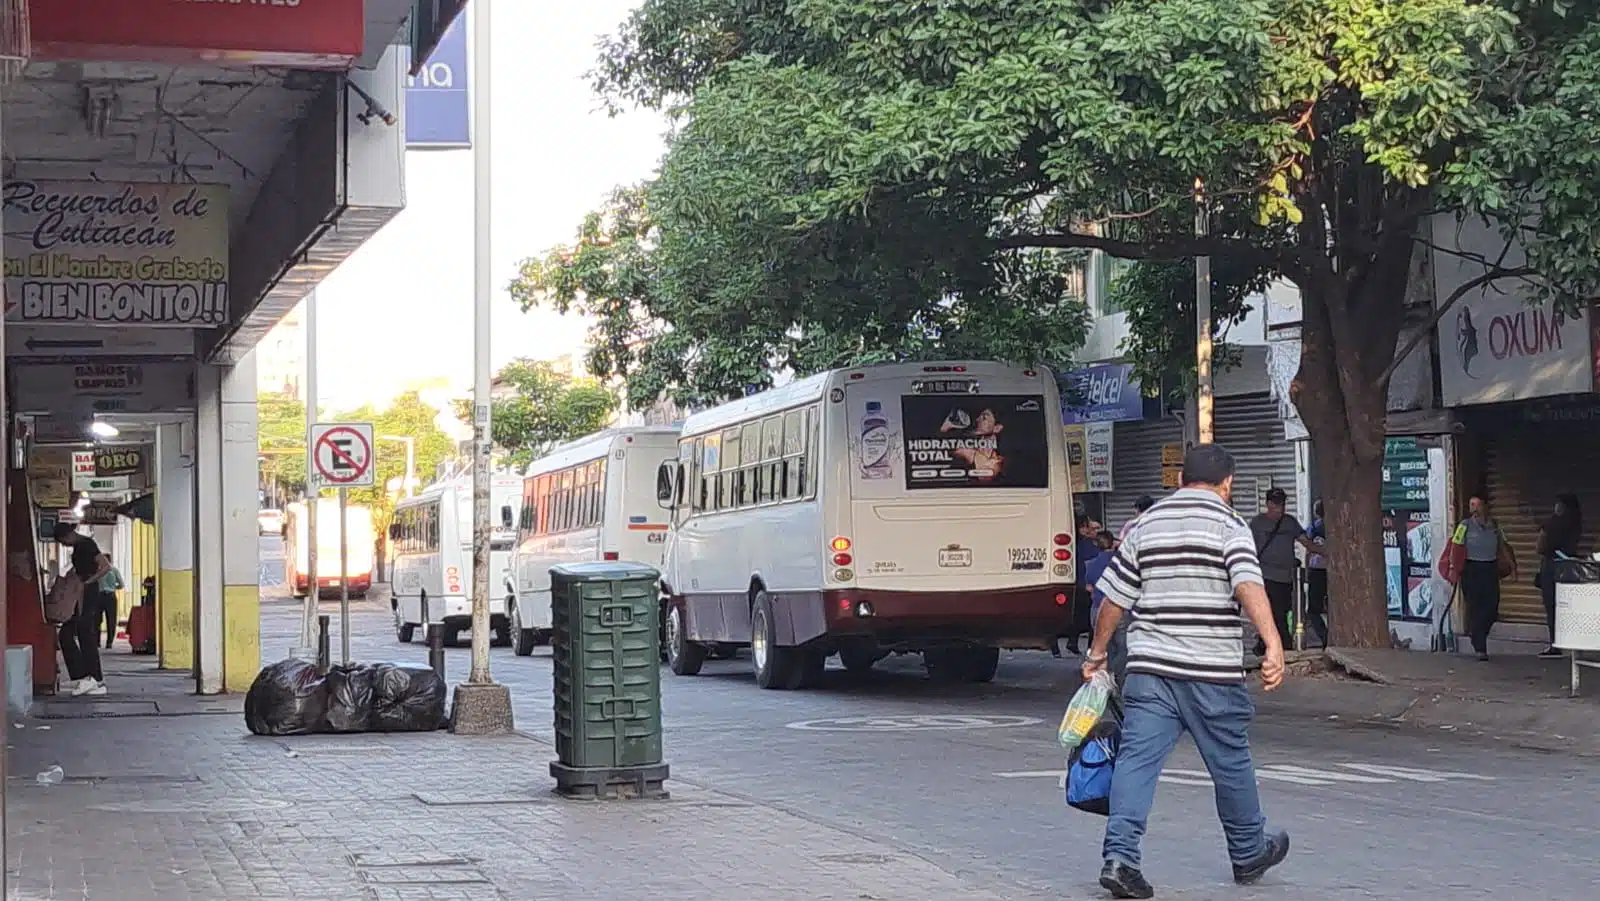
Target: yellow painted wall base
{"x": 175, "y": 618}
{"x": 241, "y": 637}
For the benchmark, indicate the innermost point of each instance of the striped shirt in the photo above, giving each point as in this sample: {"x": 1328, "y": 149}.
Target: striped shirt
{"x": 1176, "y": 573}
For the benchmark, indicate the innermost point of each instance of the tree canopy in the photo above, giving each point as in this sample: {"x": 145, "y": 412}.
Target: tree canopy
{"x": 544, "y": 409}
{"x": 407, "y": 416}
{"x": 281, "y": 435}
{"x": 853, "y": 171}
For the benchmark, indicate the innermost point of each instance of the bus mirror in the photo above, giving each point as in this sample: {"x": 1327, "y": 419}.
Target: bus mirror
{"x": 505, "y": 516}
{"x": 665, "y": 477}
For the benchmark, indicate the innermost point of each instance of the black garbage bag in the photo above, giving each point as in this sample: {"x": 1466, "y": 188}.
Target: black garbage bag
{"x": 406, "y": 699}
{"x": 1575, "y": 572}
{"x": 287, "y": 698}
{"x": 350, "y": 698}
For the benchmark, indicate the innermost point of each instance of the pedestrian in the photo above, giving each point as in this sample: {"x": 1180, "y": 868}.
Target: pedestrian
{"x": 1558, "y": 538}
{"x": 1276, "y": 532}
{"x": 80, "y": 636}
{"x": 1183, "y": 576}
{"x": 1144, "y": 503}
{"x": 1085, "y": 549}
{"x": 1317, "y": 576}
{"x": 1117, "y": 650}
{"x": 110, "y": 584}
{"x": 1486, "y": 559}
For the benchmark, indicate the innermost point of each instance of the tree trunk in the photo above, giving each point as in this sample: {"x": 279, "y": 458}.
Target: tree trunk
{"x": 1346, "y": 343}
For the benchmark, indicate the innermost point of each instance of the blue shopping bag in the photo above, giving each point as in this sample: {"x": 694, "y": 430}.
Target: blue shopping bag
{"x": 1091, "y": 765}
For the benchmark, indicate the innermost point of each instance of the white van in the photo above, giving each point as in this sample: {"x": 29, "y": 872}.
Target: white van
{"x": 430, "y": 556}
{"x": 589, "y": 500}
{"x": 911, "y": 507}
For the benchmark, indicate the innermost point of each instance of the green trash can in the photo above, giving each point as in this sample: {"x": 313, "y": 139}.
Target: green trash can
{"x": 606, "y": 644}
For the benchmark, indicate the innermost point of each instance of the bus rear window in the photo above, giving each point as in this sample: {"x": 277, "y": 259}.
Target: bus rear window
{"x": 975, "y": 441}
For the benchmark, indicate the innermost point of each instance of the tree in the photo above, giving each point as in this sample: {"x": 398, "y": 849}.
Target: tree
{"x": 1322, "y": 137}
{"x": 546, "y": 409}
{"x": 408, "y": 416}
{"x": 281, "y": 435}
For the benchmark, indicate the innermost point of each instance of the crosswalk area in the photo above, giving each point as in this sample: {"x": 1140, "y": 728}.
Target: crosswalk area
{"x": 1352, "y": 773}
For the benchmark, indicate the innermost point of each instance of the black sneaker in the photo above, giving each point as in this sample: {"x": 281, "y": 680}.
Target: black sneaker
{"x": 1123, "y": 881}
{"x": 1277, "y": 849}
{"x": 1551, "y": 653}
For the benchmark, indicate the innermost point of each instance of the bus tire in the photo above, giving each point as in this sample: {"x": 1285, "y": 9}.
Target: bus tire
{"x": 407, "y": 632}
{"x": 858, "y": 657}
{"x": 982, "y": 664}
{"x": 684, "y": 657}
{"x": 775, "y": 667}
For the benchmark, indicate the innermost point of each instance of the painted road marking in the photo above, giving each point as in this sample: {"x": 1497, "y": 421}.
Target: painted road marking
{"x": 1346, "y": 773}
{"x": 925, "y": 723}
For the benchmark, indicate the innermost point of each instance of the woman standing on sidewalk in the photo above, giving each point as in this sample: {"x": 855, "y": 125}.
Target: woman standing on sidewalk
{"x": 1558, "y": 538}
{"x": 1485, "y": 558}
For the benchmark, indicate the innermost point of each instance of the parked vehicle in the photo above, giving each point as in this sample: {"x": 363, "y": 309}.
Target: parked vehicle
{"x": 589, "y": 500}
{"x": 915, "y": 508}
{"x": 430, "y": 557}
{"x": 360, "y": 552}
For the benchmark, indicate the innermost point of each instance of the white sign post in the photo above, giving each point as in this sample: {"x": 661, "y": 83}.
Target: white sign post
{"x": 342, "y": 458}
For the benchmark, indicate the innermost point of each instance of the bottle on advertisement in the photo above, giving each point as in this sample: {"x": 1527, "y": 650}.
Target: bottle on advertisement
{"x": 875, "y": 443}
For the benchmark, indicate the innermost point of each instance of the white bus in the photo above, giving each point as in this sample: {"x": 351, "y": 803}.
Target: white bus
{"x": 911, "y": 507}
{"x": 589, "y": 500}
{"x": 360, "y": 548}
{"x": 430, "y": 557}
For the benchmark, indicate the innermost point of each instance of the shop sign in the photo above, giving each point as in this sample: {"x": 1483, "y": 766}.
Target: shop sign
{"x": 1104, "y": 393}
{"x": 1495, "y": 345}
{"x": 100, "y": 513}
{"x": 1405, "y": 475}
{"x": 305, "y": 34}
{"x": 116, "y": 254}
{"x": 1089, "y": 456}
{"x": 103, "y": 484}
{"x": 1172, "y": 466}
{"x": 84, "y": 389}
{"x": 1408, "y": 564}
{"x": 437, "y": 104}
{"x": 118, "y": 461}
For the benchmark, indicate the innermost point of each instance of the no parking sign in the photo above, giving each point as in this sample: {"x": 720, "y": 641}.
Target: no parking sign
{"x": 341, "y": 455}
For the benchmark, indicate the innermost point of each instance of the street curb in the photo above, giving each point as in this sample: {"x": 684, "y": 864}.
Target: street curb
{"x": 1562, "y": 725}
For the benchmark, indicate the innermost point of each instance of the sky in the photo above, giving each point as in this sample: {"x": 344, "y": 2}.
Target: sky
{"x": 407, "y": 294}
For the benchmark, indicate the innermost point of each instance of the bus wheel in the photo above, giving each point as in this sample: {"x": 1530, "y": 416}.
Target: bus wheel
{"x": 961, "y": 664}
{"x": 775, "y": 666}
{"x": 407, "y": 631}
{"x": 858, "y": 657}
{"x": 683, "y": 656}
{"x": 526, "y": 639}
{"x": 982, "y": 664}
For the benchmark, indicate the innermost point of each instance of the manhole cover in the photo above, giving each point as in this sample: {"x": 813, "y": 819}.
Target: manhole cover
{"x": 84, "y": 710}
{"x": 422, "y": 876}
{"x": 368, "y": 859}
{"x": 195, "y": 805}
{"x": 468, "y": 799}
{"x": 919, "y": 723}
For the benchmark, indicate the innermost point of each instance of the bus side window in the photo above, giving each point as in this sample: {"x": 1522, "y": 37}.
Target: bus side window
{"x": 793, "y": 454}
{"x": 771, "y": 458}
{"x": 811, "y": 460}
{"x": 703, "y": 491}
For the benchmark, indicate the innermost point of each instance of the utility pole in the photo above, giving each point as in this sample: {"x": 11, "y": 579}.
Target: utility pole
{"x": 1205, "y": 402}
{"x": 481, "y": 706}
{"x": 308, "y": 622}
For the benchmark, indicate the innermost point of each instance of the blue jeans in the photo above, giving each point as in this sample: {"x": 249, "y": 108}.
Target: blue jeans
{"x": 1156, "y": 711}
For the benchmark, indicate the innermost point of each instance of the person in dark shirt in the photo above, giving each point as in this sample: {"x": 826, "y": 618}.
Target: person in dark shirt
{"x": 1085, "y": 550}
{"x": 80, "y": 636}
{"x": 1558, "y": 538}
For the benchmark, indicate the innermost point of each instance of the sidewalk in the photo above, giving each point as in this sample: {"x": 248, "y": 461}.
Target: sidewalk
{"x": 1516, "y": 698}
{"x": 188, "y": 807}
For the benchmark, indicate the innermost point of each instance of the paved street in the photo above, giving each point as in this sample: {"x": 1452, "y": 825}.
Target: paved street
{"x": 967, "y": 777}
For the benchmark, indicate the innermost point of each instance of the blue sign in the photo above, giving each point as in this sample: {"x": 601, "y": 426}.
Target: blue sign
{"x": 438, "y": 108}
{"x": 1105, "y": 393}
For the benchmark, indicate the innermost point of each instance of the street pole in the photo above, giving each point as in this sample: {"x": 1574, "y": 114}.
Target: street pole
{"x": 1205, "y": 402}
{"x": 483, "y": 291}
{"x": 344, "y": 578}
{"x": 308, "y": 621}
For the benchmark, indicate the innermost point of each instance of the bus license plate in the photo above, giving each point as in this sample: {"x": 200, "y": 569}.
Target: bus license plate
{"x": 955, "y": 557}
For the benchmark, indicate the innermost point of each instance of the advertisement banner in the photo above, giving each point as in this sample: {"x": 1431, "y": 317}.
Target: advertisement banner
{"x": 438, "y": 107}
{"x": 1104, "y": 393}
{"x": 1097, "y": 467}
{"x": 116, "y": 254}
{"x": 1077, "y": 458}
{"x": 975, "y": 441}
{"x": 118, "y": 461}
{"x": 304, "y": 34}
{"x": 86, "y": 389}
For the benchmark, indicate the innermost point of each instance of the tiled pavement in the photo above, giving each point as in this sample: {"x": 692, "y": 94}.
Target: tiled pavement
{"x": 191, "y": 808}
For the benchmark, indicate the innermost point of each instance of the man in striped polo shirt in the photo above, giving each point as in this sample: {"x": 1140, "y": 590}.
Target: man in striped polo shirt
{"x": 1182, "y": 576}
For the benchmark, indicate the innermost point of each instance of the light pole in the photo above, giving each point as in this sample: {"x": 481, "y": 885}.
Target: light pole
{"x": 308, "y": 621}
{"x": 1204, "y": 399}
{"x": 481, "y": 707}
{"x": 411, "y": 461}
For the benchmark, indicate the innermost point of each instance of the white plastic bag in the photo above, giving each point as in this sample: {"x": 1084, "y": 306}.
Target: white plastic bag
{"x": 1083, "y": 714}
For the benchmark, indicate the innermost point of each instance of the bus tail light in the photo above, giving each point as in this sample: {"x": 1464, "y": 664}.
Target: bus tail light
{"x": 842, "y": 559}
{"x": 1061, "y": 599}
{"x": 1063, "y": 554}
{"x": 609, "y": 555}
{"x": 840, "y": 544}
{"x": 1062, "y": 539}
